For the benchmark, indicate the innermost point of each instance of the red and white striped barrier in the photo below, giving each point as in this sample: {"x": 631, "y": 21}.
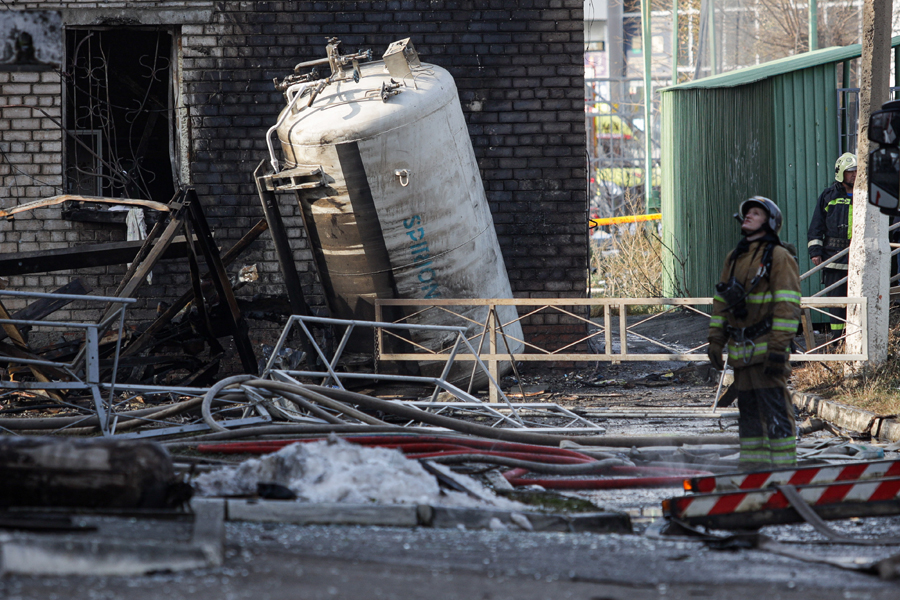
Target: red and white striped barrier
{"x": 830, "y": 500}
{"x": 797, "y": 476}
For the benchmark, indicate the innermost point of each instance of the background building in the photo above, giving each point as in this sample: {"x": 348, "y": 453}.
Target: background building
{"x": 713, "y": 36}
{"x": 138, "y": 97}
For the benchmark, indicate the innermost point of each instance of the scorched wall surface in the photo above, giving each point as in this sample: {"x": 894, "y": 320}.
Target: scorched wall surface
{"x": 517, "y": 64}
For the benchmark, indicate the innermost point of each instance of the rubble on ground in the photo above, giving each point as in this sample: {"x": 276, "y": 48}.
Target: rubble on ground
{"x": 338, "y": 471}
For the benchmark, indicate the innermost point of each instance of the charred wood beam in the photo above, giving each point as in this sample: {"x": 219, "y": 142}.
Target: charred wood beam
{"x": 204, "y": 375}
{"x": 8, "y": 349}
{"x": 95, "y": 255}
{"x": 21, "y": 350}
{"x": 86, "y": 215}
{"x": 158, "y": 228}
{"x": 223, "y": 285}
{"x": 206, "y": 327}
{"x": 53, "y": 200}
{"x": 137, "y": 275}
{"x": 59, "y": 352}
{"x": 229, "y": 257}
{"x": 42, "y": 307}
{"x": 157, "y": 248}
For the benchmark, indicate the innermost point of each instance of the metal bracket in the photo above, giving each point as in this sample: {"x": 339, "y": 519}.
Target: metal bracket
{"x": 401, "y": 58}
{"x": 304, "y": 177}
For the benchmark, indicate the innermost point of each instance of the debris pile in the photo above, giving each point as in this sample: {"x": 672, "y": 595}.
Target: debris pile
{"x": 337, "y": 471}
{"x": 180, "y": 347}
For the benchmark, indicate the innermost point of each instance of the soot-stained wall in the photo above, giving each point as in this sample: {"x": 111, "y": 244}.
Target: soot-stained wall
{"x": 518, "y": 66}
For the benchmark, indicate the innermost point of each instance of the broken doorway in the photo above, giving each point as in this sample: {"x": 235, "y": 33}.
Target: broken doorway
{"x": 118, "y": 113}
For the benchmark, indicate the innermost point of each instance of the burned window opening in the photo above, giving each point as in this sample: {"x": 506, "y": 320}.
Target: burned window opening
{"x": 117, "y": 104}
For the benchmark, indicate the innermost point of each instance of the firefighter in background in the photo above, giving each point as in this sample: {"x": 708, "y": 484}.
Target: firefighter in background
{"x": 830, "y": 231}
{"x": 756, "y": 312}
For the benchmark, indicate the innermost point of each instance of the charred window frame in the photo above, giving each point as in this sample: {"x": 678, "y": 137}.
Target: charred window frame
{"x": 119, "y": 91}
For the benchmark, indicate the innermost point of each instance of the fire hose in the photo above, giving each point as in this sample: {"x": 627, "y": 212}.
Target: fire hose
{"x": 523, "y": 458}
{"x": 340, "y": 399}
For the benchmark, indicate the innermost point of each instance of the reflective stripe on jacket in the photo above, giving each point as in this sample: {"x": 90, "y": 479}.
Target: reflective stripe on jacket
{"x": 831, "y": 218}
{"x": 775, "y": 297}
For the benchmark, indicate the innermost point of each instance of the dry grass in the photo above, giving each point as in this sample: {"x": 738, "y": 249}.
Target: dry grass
{"x": 876, "y": 389}
{"x": 629, "y": 265}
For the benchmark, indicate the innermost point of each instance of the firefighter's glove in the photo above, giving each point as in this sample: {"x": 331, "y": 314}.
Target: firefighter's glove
{"x": 715, "y": 356}
{"x": 775, "y": 363}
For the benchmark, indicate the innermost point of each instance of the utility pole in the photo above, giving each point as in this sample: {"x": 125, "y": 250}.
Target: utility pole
{"x": 647, "y": 46}
{"x": 616, "y": 38}
{"x": 711, "y": 28}
{"x": 674, "y": 42}
{"x": 701, "y": 37}
{"x": 813, "y": 25}
{"x": 870, "y": 256}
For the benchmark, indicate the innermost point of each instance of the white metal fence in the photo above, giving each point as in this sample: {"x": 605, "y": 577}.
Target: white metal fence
{"x": 578, "y": 337}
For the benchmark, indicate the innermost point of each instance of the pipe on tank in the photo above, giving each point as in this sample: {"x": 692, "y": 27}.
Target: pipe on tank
{"x": 300, "y": 87}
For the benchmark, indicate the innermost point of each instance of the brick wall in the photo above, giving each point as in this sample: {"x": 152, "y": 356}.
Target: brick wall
{"x": 31, "y": 168}
{"x": 519, "y": 70}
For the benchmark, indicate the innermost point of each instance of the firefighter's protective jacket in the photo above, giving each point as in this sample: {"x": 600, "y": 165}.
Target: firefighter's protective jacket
{"x": 831, "y": 225}
{"x": 776, "y": 296}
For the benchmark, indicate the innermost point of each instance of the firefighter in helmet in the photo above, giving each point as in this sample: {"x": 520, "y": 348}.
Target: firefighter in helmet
{"x": 756, "y": 312}
{"x": 830, "y": 231}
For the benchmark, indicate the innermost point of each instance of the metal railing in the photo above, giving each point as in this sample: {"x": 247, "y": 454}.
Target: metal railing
{"x": 83, "y": 371}
{"x": 86, "y": 372}
{"x": 895, "y": 249}
{"x": 605, "y": 338}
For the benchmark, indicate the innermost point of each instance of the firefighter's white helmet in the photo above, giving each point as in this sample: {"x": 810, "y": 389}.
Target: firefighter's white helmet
{"x": 846, "y": 162}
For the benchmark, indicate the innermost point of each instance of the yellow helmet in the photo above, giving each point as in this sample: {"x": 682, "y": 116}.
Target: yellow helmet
{"x": 847, "y": 162}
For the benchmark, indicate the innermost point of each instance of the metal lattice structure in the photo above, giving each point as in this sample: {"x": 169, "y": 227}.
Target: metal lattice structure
{"x": 604, "y": 339}
{"x": 508, "y": 413}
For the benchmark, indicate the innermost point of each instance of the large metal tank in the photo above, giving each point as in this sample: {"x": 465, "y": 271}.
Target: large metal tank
{"x": 400, "y": 210}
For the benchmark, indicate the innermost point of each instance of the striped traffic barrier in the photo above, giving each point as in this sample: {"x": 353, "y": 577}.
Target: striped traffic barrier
{"x": 758, "y": 507}
{"x": 794, "y": 476}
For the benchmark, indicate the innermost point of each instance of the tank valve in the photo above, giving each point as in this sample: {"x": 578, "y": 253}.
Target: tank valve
{"x": 403, "y": 175}
{"x": 389, "y": 89}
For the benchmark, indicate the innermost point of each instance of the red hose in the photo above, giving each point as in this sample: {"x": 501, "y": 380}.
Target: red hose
{"x": 268, "y": 447}
{"x": 662, "y": 471}
{"x": 602, "y": 484}
{"x": 542, "y": 458}
{"x": 470, "y": 442}
{"x": 515, "y": 477}
{"x": 401, "y": 441}
{"x": 248, "y": 447}
{"x": 419, "y": 448}
{"x": 426, "y": 446}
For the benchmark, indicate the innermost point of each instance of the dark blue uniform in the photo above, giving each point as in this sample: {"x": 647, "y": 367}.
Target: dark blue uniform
{"x": 830, "y": 231}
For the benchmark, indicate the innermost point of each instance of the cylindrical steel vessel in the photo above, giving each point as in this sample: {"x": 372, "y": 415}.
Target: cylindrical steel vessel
{"x": 402, "y": 212}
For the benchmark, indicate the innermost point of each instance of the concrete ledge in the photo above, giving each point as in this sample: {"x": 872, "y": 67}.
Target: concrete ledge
{"x": 66, "y": 556}
{"x": 288, "y": 511}
{"x": 475, "y": 518}
{"x": 87, "y": 554}
{"x": 848, "y": 417}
